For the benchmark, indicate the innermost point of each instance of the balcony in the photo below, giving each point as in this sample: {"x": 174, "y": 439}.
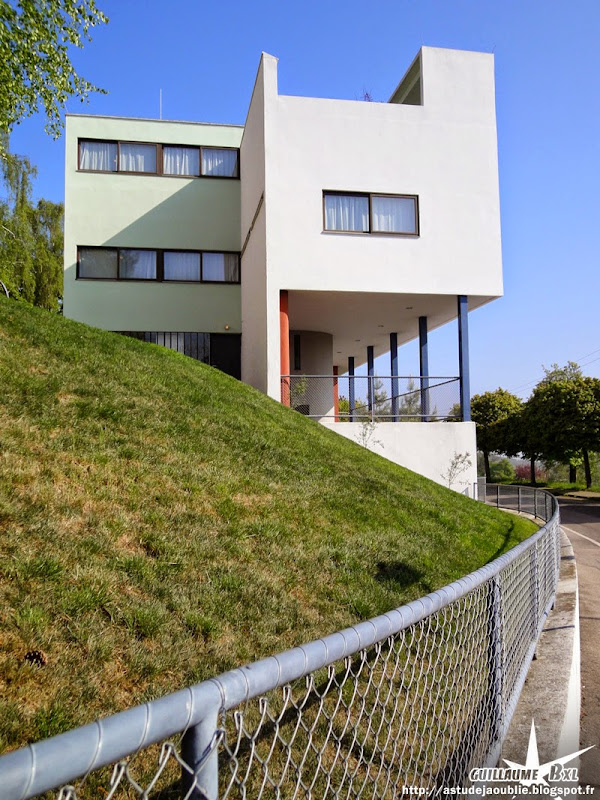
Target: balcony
{"x": 374, "y": 398}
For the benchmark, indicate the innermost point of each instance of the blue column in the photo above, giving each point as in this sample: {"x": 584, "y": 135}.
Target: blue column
{"x": 463, "y": 357}
{"x": 371, "y": 378}
{"x": 424, "y": 368}
{"x": 351, "y": 394}
{"x": 394, "y": 373}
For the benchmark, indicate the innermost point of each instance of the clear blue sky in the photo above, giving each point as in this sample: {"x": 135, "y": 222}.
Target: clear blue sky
{"x": 204, "y": 57}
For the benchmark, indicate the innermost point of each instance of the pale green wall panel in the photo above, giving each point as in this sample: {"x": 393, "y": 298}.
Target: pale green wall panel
{"x": 151, "y": 306}
{"x": 122, "y": 210}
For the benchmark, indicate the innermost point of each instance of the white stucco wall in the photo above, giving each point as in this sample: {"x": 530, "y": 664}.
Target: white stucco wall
{"x": 424, "y": 447}
{"x": 150, "y": 211}
{"x": 316, "y": 353}
{"x": 443, "y": 151}
{"x": 254, "y": 275}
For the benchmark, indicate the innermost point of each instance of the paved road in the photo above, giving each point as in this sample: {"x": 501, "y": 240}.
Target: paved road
{"x": 581, "y": 521}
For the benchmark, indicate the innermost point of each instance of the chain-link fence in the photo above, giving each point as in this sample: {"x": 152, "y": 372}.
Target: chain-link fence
{"x": 414, "y": 698}
{"x": 359, "y": 398}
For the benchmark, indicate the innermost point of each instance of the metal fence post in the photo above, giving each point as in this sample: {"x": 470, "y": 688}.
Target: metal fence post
{"x": 535, "y": 590}
{"x": 495, "y": 660}
{"x": 535, "y": 498}
{"x": 200, "y": 752}
{"x": 351, "y": 396}
{"x": 497, "y": 495}
{"x": 519, "y": 500}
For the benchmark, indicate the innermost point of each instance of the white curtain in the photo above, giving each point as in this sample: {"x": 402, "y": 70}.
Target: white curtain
{"x": 344, "y": 212}
{"x": 394, "y": 214}
{"x": 181, "y": 161}
{"x": 138, "y": 264}
{"x": 222, "y": 267}
{"x": 100, "y": 156}
{"x": 182, "y": 266}
{"x": 219, "y": 162}
{"x": 232, "y": 267}
{"x": 137, "y": 158}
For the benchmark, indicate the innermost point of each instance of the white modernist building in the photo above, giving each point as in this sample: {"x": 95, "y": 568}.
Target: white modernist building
{"x": 295, "y": 249}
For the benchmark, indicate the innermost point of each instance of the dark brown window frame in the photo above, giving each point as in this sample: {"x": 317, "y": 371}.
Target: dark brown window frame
{"x": 370, "y": 196}
{"x": 159, "y": 265}
{"x": 159, "y": 159}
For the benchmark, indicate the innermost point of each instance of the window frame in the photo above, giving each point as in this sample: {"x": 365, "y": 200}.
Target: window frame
{"x": 159, "y": 265}
{"x": 160, "y": 271}
{"x": 135, "y": 280}
{"x": 159, "y": 159}
{"x": 85, "y": 278}
{"x": 220, "y": 177}
{"x": 135, "y": 172}
{"x": 225, "y": 253}
{"x": 98, "y": 171}
{"x": 370, "y": 196}
{"x": 174, "y": 174}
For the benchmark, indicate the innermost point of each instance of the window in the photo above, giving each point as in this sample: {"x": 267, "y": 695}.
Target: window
{"x": 393, "y": 214}
{"x": 297, "y": 360}
{"x": 346, "y": 212}
{"x": 222, "y": 163}
{"x": 181, "y": 266}
{"x": 98, "y": 156}
{"x": 222, "y": 267}
{"x": 137, "y": 264}
{"x": 136, "y": 157}
{"x": 181, "y": 160}
{"x": 96, "y": 262}
{"x": 371, "y": 213}
{"x": 159, "y": 159}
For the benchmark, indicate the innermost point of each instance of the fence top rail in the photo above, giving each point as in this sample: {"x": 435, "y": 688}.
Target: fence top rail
{"x": 24, "y": 773}
{"x": 382, "y": 377}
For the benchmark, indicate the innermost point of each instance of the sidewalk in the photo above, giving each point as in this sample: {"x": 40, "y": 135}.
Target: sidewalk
{"x": 552, "y": 691}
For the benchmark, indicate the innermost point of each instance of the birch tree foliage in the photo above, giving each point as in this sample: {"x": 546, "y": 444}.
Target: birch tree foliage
{"x": 36, "y": 73}
{"x": 31, "y": 236}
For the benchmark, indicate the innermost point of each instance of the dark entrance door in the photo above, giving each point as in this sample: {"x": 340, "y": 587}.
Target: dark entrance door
{"x": 225, "y": 353}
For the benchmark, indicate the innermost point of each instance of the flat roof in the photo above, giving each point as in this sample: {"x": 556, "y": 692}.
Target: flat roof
{"x": 153, "y": 119}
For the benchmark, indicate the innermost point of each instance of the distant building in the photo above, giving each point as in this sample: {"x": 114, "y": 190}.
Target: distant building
{"x": 318, "y": 236}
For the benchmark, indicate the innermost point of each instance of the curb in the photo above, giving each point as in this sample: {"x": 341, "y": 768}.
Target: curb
{"x": 551, "y": 695}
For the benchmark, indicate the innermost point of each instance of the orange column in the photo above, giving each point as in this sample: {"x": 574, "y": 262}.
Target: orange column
{"x": 284, "y": 346}
{"x": 336, "y": 397}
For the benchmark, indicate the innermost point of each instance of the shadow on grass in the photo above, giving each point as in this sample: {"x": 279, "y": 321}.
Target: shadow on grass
{"x": 502, "y": 548}
{"x": 399, "y": 574}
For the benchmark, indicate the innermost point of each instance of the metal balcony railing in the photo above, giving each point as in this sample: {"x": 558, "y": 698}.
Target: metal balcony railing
{"x": 379, "y": 398}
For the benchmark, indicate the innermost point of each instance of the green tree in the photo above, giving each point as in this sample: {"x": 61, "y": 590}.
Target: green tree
{"x": 502, "y": 471}
{"x": 571, "y": 371}
{"x": 410, "y": 402}
{"x": 563, "y": 416}
{"x": 31, "y": 237}
{"x": 487, "y": 411}
{"x": 36, "y": 73}
{"x": 455, "y": 412}
{"x": 381, "y": 402}
{"x": 47, "y": 227}
{"x": 16, "y": 238}
{"x": 520, "y": 434}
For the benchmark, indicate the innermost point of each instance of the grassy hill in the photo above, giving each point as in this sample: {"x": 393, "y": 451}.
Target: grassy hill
{"x": 161, "y": 522}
